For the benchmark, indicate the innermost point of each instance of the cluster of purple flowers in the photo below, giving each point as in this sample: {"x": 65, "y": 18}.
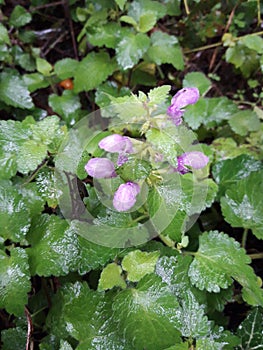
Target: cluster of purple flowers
{"x": 125, "y": 196}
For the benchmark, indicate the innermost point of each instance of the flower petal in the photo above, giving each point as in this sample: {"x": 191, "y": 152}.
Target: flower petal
{"x": 100, "y": 168}
{"x": 116, "y": 143}
{"x": 125, "y": 196}
{"x": 195, "y": 159}
{"x": 185, "y": 96}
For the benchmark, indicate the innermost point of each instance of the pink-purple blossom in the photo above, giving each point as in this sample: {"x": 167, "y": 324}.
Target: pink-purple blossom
{"x": 125, "y": 196}
{"x": 183, "y": 98}
{"x": 100, "y": 168}
{"x": 116, "y": 144}
{"x": 194, "y": 159}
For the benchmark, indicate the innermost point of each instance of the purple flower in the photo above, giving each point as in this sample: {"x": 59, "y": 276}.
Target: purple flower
{"x": 184, "y": 97}
{"x": 116, "y": 144}
{"x": 100, "y": 168}
{"x": 125, "y": 196}
{"x": 194, "y": 159}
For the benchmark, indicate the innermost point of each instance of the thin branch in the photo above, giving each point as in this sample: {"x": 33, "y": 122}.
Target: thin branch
{"x": 71, "y": 28}
{"x": 29, "y": 343}
{"x": 40, "y": 7}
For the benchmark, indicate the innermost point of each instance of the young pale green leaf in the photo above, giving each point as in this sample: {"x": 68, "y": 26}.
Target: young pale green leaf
{"x": 13, "y": 90}
{"x": 139, "y": 7}
{"x": 165, "y": 49}
{"x": 67, "y": 106}
{"x": 250, "y": 331}
{"x": 92, "y": 71}
{"x": 242, "y": 204}
{"x": 158, "y": 95}
{"x": 65, "y": 68}
{"x": 121, "y": 3}
{"x": 131, "y": 48}
{"x": 226, "y": 148}
{"x": 4, "y": 38}
{"x": 147, "y": 21}
{"x": 104, "y": 91}
{"x": 254, "y": 42}
{"x": 218, "y": 260}
{"x": 19, "y": 17}
{"x": 144, "y": 315}
{"x": 138, "y": 264}
{"x": 227, "y": 172}
{"x": 15, "y": 281}
{"x": 14, "y": 213}
{"x": 111, "y": 277}
{"x": 198, "y": 80}
{"x": 44, "y": 67}
{"x": 244, "y": 122}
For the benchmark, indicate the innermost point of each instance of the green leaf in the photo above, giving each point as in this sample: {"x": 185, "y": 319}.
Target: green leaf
{"x": 13, "y": 90}
{"x": 140, "y": 7}
{"x": 131, "y": 48}
{"x": 138, "y": 264}
{"x": 134, "y": 170}
{"x": 67, "y": 106}
{"x": 80, "y": 307}
{"x": 250, "y": 330}
{"x": 198, "y": 80}
{"x": 158, "y": 95}
{"x": 15, "y": 281}
{"x": 35, "y": 81}
{"x": 111, "y": 277}
{"x": 162, "y": 142}
{"x": 109, "y": 88}
{"x": 244, "y": 122}
{"x": 58, "y": 249}
{"x": 253, "y": 42}
{"x": 121, "y": 3}
{"x": 31, "y": 154}
{"x": 14, "y": 338}
{"x": 147, "y": 21}
{"x": 208, "y": 272}
{"x": 44, "y": 67}
{"x": 165, "y": 49}
{"x": 242, "y": 204}
{"x": 151, "y": 309}
{"x": 227, "y": 172}
{"x": 46, "y": 186}
{"x": 209, "y": 111}
{"x": 4, "y": 37}
{"x": 14, "y": 213}
{"x": 92, "y": 71}
{"x": 19, "y": 17}
{"x": 65, "y": 68}
{"x": 107, "y": 35}
{"x": 55, "y": 249}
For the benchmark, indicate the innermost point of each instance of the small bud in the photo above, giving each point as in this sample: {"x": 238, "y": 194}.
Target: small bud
{"x": 182, "y": 98}
{"x": 125, "y": 196}
{"x": 116, "y": 144}
{"x": 185, "y": 97}
{"x": 100, "y": 168}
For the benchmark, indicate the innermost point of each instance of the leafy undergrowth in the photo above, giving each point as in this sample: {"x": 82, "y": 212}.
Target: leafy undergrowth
{"x": 178, "y": 264}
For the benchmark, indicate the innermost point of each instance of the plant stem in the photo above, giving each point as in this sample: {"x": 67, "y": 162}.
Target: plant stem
{"x": 256, "y": 256}
{"x": 244, "y": 238}
{"x": 186, "y": 7}
{"x": 211, "y": 46}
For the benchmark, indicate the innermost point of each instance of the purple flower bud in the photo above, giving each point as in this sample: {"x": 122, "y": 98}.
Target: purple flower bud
{"x": 116, "y": 143}
{"x": 100, "y": 168}
{"x": 194, "y": 159}
{"x": 185, "y": 97}
{"x": 182, "y": 98}
{"x": 125, "y": 196}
